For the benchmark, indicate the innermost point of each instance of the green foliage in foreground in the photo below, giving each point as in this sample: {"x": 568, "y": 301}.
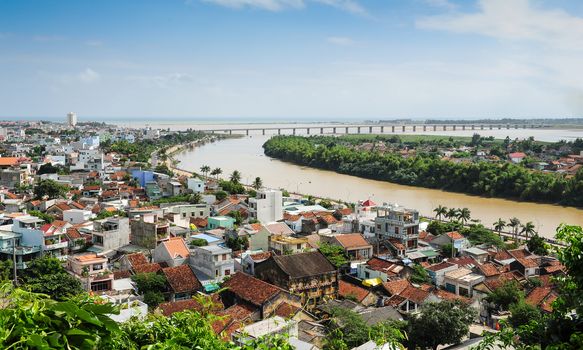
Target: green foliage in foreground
{"x": 33, "y": 321}
{"x": 504, "y": 180}
{"x": 334, "y": 253}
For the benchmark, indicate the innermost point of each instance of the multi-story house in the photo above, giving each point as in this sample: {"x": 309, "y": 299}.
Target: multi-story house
{"x": 91, "y": 270}
{"x": 110, "y": 233}
{"x": 281, "y": 244}
{"x": 309, "y": 275}
{"x": 214, "y": 261}
{"x": 148, "y": 229}
{"x": 354, "y": 245}
{"x": 397, "y": 224}
{"x": 267, "y": 206}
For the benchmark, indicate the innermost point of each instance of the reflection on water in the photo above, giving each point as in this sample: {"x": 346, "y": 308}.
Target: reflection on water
{"x": 246, "y": 155}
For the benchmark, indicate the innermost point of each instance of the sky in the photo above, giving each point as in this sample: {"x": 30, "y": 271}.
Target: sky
{"x": 291, "y": 59}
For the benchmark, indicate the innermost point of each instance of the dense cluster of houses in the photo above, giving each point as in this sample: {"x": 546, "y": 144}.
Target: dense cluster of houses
{"x": 277, "y": 280}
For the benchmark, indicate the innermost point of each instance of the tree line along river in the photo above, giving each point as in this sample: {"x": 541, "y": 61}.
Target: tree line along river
{"x": 246, "y": 155}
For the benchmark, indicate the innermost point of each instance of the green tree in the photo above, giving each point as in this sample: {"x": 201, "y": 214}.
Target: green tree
{"x": 515, "y": 224}
{"x": 507, "y": 294}
{"x": 152, "y": 286}
{"x": 48, "y": 276}
{"x": 499, "y": 225}
{"x": 334, "y": 253}
{"x": 235, "y": 177}
{"x": 464, "y": 215}
{"x": 221, "y": 195}
{"x": 446, "y": 322}
{"x": 257, "y": 183}
{"x": 537, "y": 245}
{"x": 528, "y": 229}
{"x": 195, "y": 198}
{"x": 440, "y": 212}
{"x": 163, "y": 169}
{"x": 46, "y": 217}
{"x": 452, "y": 213}
{"x": 49, "y": 188}
{"x": 216, "y": 172}
{"x": 205, "y": 169}
{"x": 6, "y": 270}
{"x": 419, "y": 275}
{"x": 47, "y": 168}
{"x": 522, "y": 313}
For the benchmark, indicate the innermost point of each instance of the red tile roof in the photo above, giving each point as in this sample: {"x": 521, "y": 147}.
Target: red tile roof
{"x": 528, "y": 263}
{"x": 137, "y": 259}
{"x": 445, "y": 295}
{"x": 351, "y": 240}
{"x": 455, "y": 235}
{"x": 121, "y": 274}
{"x": 181, "y": 279}
{"x": 251, "y": 289}
{"x": 178, "y": 306}
{"x": 148, "y": 268}
{"x": 346, "y": 290}
{"x": 286, "y": 310}
{"x": 176, "y": 247}
{"x": 396, "y": 287}
{"x": 9, "y": 161}
{"x": 440, "y": 266}
{"x": 417, "y": 295}
{"x": 395, "y": 301}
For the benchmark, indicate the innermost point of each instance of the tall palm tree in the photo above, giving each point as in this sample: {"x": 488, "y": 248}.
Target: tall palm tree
{"x": 440, "y": 211}
{"x": 514, "y": 223}
{"x": 452, "y": 213}
{"x": 464, "y": 215}
{"x": 205, "y": 169}
{"x": 499, "y": 226}
{"x": 528, "y": 229}
{"x": 257, "y": 183}
{"x": 235, "y": 176}
{"x": 216, "y": 172}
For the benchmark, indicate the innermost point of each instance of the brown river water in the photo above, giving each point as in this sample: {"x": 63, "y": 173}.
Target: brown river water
{"x": 246, "y": 155}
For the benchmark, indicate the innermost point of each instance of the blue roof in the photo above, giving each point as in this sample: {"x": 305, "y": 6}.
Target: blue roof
{"x": 206, "y": 237}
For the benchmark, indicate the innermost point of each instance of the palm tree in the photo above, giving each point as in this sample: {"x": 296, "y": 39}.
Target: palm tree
{"x": 257, "y": 184}
{"x": 514, "y": 223}
{"x": 528, "y": 229}
{"x": 464, "y": 215}
{"x": 440, "y": 211}
{"x": 235, "y": 176}
{"x": 216, "y": 172}
{"x": 452, "y": 213}
{"x": 499, "y": 226}
{"x": 205, "y": 169}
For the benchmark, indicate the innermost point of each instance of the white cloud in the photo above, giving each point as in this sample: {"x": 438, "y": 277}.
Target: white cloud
{"x": 164, "y": 80}
{"x": 446, "y": 4}
{"x": 514, "y": 20}
{"x": 88, "y": 76}
{"x": 340, "y": 40}
{"x": 351, "y": 6}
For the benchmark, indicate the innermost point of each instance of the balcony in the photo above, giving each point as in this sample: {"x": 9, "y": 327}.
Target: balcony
{"x": 20, "y": 250}
{"x": 56, "y": 245}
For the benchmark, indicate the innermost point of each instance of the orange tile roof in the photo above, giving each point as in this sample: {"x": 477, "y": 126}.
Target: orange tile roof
{"x": 9, "y": 161}
{"x": 455, "y": 235}
{"x": 176, "y": 247}
{"x": 445, "y": 295}
{"x": 351, "y": 240}
{"x": 417, "y": 295}
{"x": 286, "y": 310}
{"x": 147, "y": 268}
{"x": 396, "y": 286}
{"x": 137, "y": 259}
{"x": 346, "y": 290}
{"x": 177, "y": 306}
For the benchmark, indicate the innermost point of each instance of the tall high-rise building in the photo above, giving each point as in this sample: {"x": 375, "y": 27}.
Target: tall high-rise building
{"x": 71, "y": 119}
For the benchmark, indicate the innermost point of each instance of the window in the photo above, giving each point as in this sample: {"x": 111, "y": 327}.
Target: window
{"x": 100, "y": 286}
{"x": 201, "y": 213}
{"x": 396, "y": 230}
{"x": 183, "y": 215}
{"x": 216, "y": 273}
{"x": 181, "y": 296}
{"x": 191, "y": 213}
{"x": 98, "y": 240}
{"x": 299, "y": 246}
{"x": 227, "y": 272}
{"x": 224, "y": 257}
{"x": 366, "y": 275}
{"x": 97, "y": 267}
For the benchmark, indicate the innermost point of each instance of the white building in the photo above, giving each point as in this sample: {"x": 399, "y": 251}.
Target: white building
{"x": 267, "y": 206}
{"x": 196, "y": 185}
{"x": 214, "y": 261}
{"x": 76, "y": 216}
{"x": 71, "y": 119}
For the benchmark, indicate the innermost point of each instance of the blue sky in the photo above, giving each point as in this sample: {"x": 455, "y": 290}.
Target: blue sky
{"x": 289, "y": 59}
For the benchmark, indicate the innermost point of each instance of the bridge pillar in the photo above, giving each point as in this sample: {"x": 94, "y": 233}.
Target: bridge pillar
{"x": 515, "y": 126}
{"x": 454, "y": 127}
{"x": 499, "y": 126}
{"x": 279, "y": 131}
{"x": 294, "y": 130}
{"x": 464, "y": 127}
{"x": 403, "y": 128}
{"x": 507, "y": 126}
{"x": 230, "y": 132}
{"x": 263, "y": 131}
{"x": 247, "y": 132}
{"x": 424, "y": 127}
{"x": 370, "y": 129}
{"x": 444, "y": 128}
{"x": 382, "y": 129}
{"x": 334, "y": 130}
{"x": 393, "y": 128}
{"x": 490, "y": 126}
{"x": 414, "y": 128}
{"x": 358, "y": 130}
{"x": 435, "y": 128}
{"x": 482, "y": 127}
{"x": 321, "y": 130}
{"x": 308, "y": 131}
{"x": 473, "y": 127}
{"x": 347, "y": 130}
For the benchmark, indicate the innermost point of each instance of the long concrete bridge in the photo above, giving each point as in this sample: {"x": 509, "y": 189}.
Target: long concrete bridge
{"x": 369, "y": 128}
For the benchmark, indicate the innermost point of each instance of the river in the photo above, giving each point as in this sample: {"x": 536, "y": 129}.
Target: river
{"x": 246, "y": 155}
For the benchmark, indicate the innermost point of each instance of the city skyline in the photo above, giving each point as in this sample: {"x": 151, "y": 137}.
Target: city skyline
{"x": 284, "y": 59}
